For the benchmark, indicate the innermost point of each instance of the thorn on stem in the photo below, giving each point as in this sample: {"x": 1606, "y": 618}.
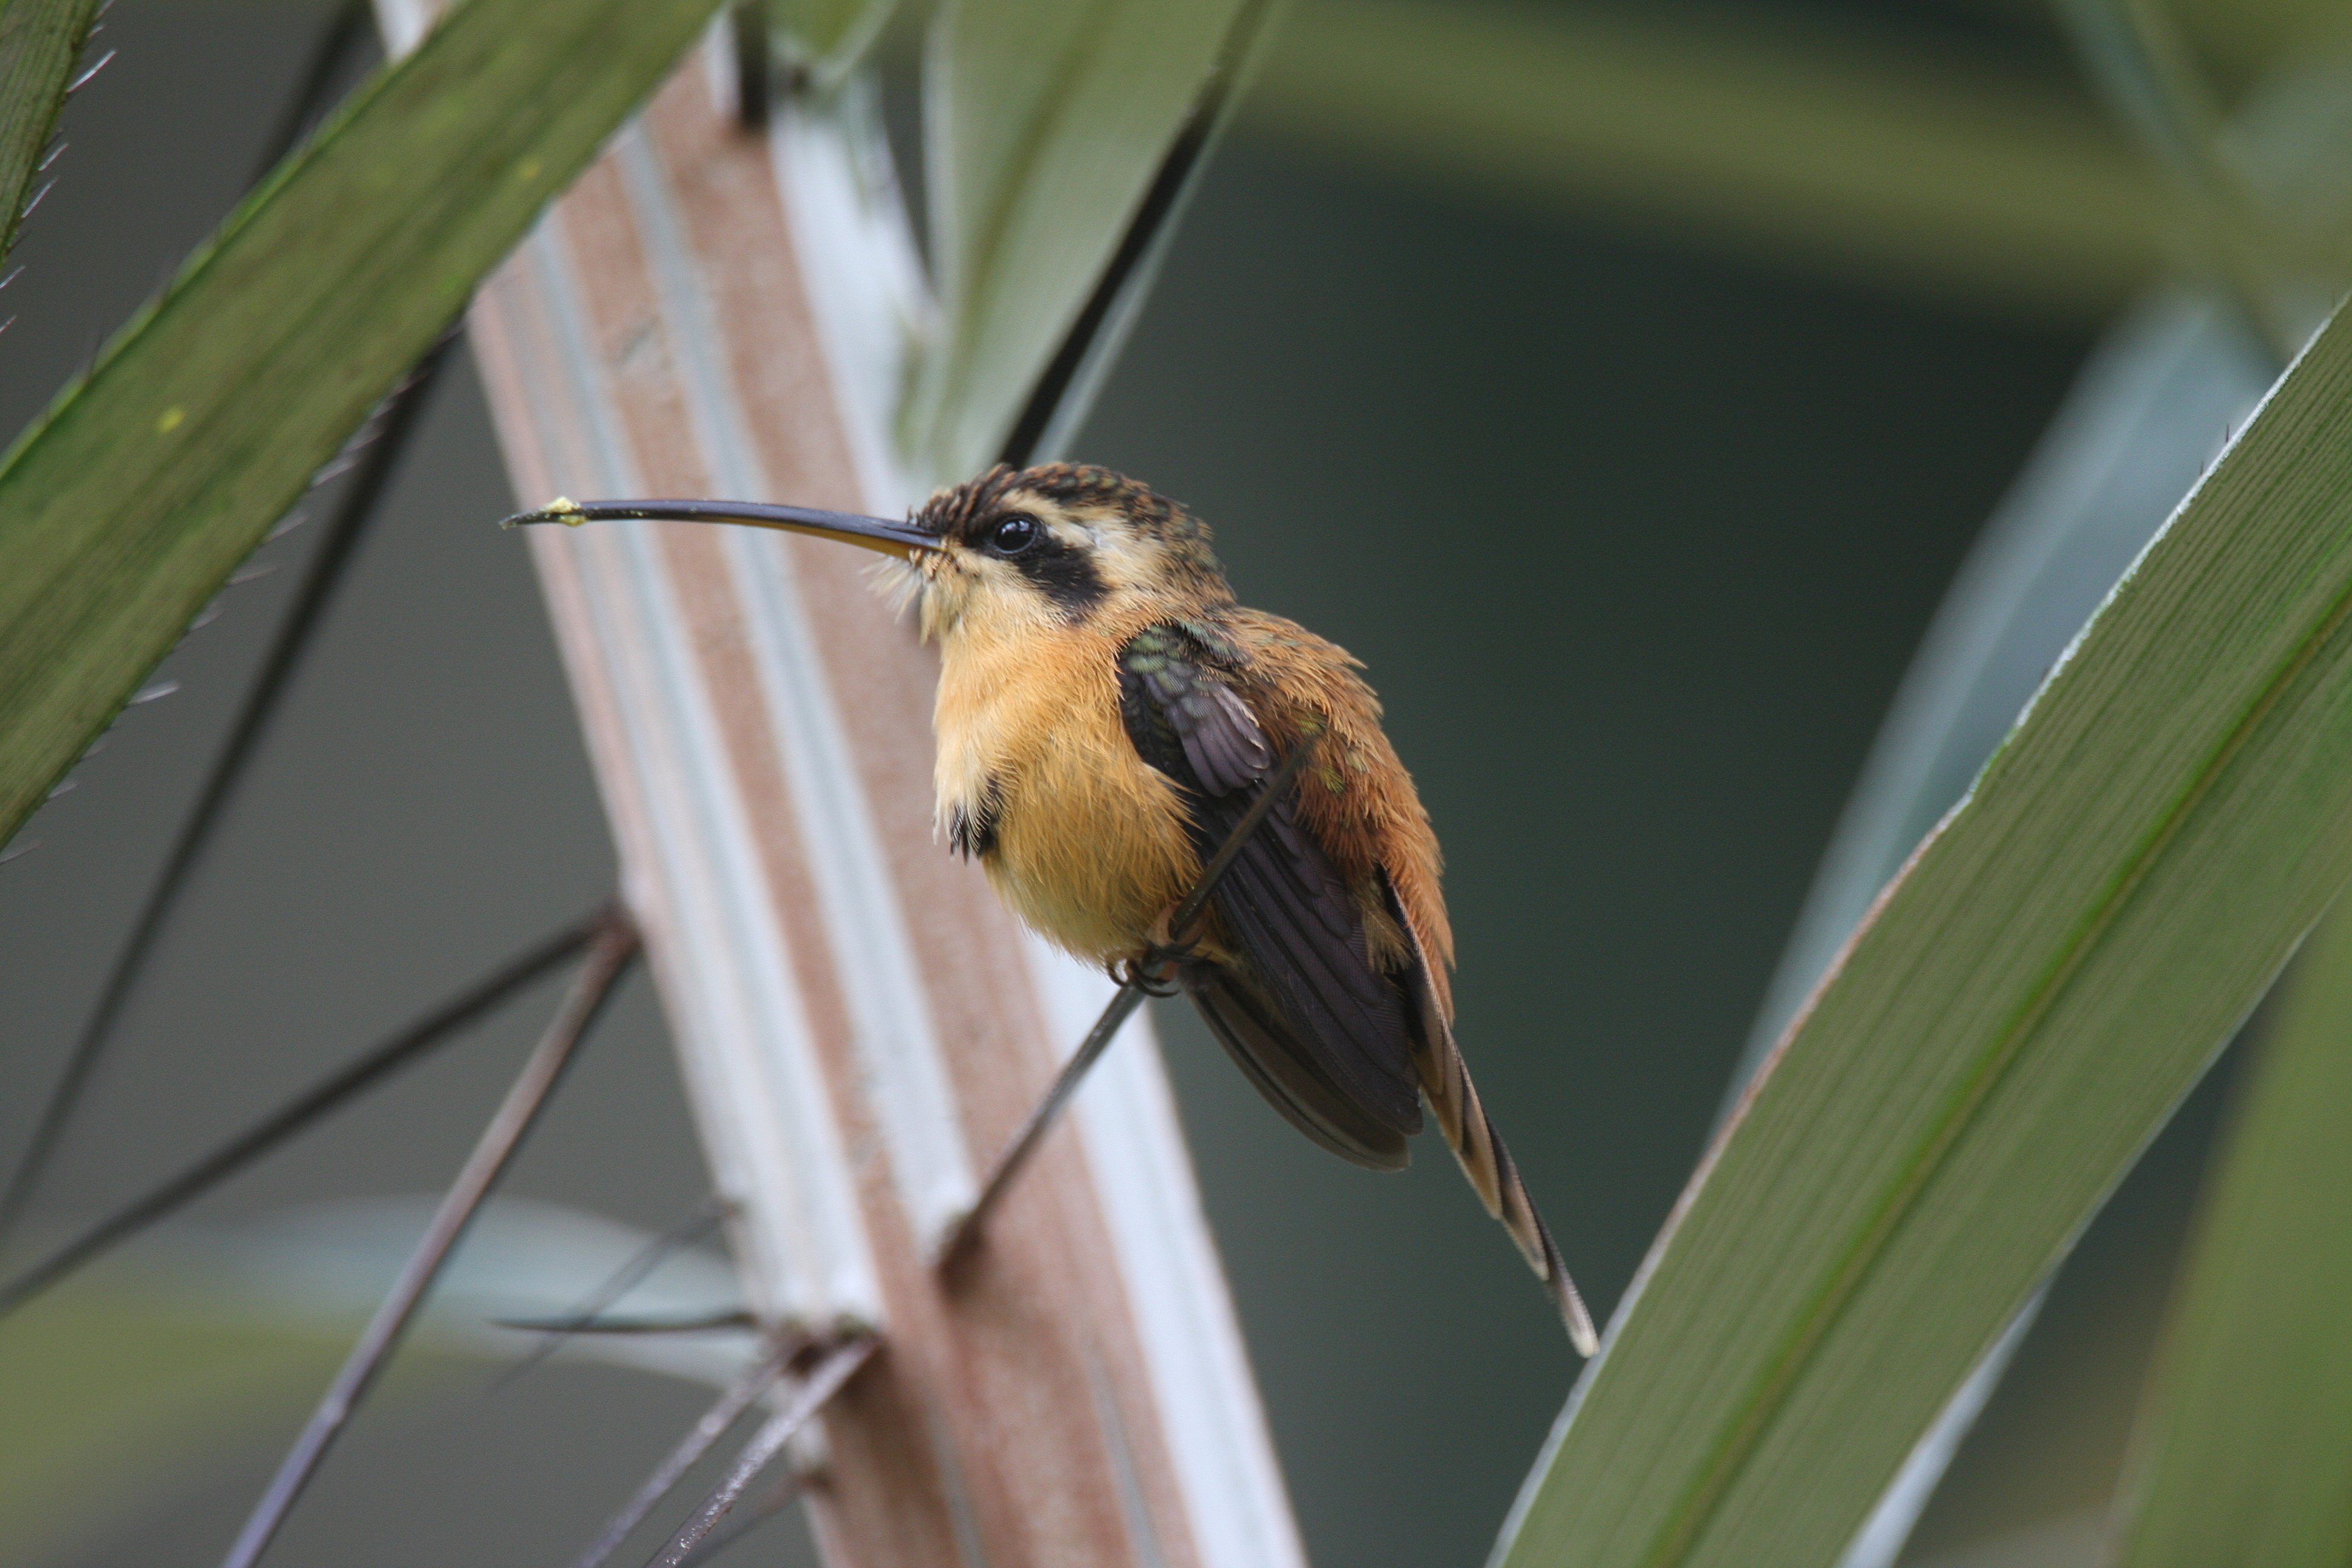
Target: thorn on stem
{"x": 83, "y": 80}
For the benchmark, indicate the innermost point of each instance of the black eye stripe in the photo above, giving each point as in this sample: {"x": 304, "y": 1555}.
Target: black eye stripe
{"x": 1064, "y": 573}
{"x": 1065, "y": 576}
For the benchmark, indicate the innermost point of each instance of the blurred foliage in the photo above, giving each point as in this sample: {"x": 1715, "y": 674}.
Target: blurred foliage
{"x": 1045, "y": 123}
{"x": 824, "y": 39}
{"x": 2023, "y": 1010}
{"x": 1913, "y": 158}
{"x": 1892, "y": 163}
{"x": 130, "y": 1393}
{"x": 2143, "y": 63}
{"x": 1888, "y": 149}
{"x": 147, "y": 1373}
{"x": 2242, "y": 43}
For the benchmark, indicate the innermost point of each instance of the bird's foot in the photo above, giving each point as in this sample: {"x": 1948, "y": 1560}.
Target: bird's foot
{"x": 1154, "y": 970}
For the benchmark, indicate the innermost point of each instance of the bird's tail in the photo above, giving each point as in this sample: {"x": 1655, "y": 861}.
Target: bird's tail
{"x": 1470, "y": 1132}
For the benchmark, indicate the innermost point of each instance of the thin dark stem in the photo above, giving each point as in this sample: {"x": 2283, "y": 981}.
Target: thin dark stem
{"x": 364, "y": 1073}
{"x": 1116, "y": 1012}
{"x": 782, "y": 1492}
{"x": 694, "y": 1323}
{"x": 1100, "y": 321}
{"x": 755, "y": 66}
{"x": 739, "y": 1396}
{"x": 823, "y": 1381}
{"x": 352, "y": 26}
{"x": 1042, "y": 1117}
{"x": 589, "y": 1316}
{"x": 608, "y": 959}
{"x": 322, "y": 577}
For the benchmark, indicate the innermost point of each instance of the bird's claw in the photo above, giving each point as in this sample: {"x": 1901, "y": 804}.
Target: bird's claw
{"x": 1153, "y": 971}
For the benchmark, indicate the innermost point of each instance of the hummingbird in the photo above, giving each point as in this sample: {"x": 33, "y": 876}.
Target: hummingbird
{"x": 1106, "y": 714}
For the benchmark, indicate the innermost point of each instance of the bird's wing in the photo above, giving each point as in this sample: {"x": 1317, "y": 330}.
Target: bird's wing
{"x": 1321, "y": 1031}
{"x": 1246, "y": 1021}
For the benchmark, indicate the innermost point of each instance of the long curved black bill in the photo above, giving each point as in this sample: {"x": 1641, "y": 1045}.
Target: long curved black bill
{"x": 903, "y": 539}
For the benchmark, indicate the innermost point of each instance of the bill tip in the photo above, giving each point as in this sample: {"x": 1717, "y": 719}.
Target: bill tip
{"x": 562, "y": 510}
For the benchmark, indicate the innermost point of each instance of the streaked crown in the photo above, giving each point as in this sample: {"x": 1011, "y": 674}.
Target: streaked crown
{"x": 1062, "y": 541}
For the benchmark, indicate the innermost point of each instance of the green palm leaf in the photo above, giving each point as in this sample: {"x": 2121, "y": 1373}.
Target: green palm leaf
{"x": 1048, "y": 121}
{"x": 2054, "y": 969}
{"x": 40, "y": 44}
{"x": 128, "y": 505}
{"x": 2244, "y": 1451}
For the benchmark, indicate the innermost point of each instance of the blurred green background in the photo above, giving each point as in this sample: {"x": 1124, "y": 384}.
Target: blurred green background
{"x": 1598, "y": 376}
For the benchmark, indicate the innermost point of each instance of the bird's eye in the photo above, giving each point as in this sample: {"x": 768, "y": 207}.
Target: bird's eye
{"x": 1014, "y": 534}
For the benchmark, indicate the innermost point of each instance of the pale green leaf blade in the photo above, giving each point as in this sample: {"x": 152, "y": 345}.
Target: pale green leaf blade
{"x": 40, "y": 50}
{"x": 2024, "y": 1012}
{"x": 1047, "y": 120}
{"x": 124, "y": 510}
{"x": 2243, "y": 1452}
{"x": 2128, "y": 442}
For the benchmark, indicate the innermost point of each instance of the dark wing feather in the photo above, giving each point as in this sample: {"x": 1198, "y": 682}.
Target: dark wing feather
{"x": 1321, "y": 1032}
{"x": 1261, "y": 1045}
{"x": 1222, "y": 741}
